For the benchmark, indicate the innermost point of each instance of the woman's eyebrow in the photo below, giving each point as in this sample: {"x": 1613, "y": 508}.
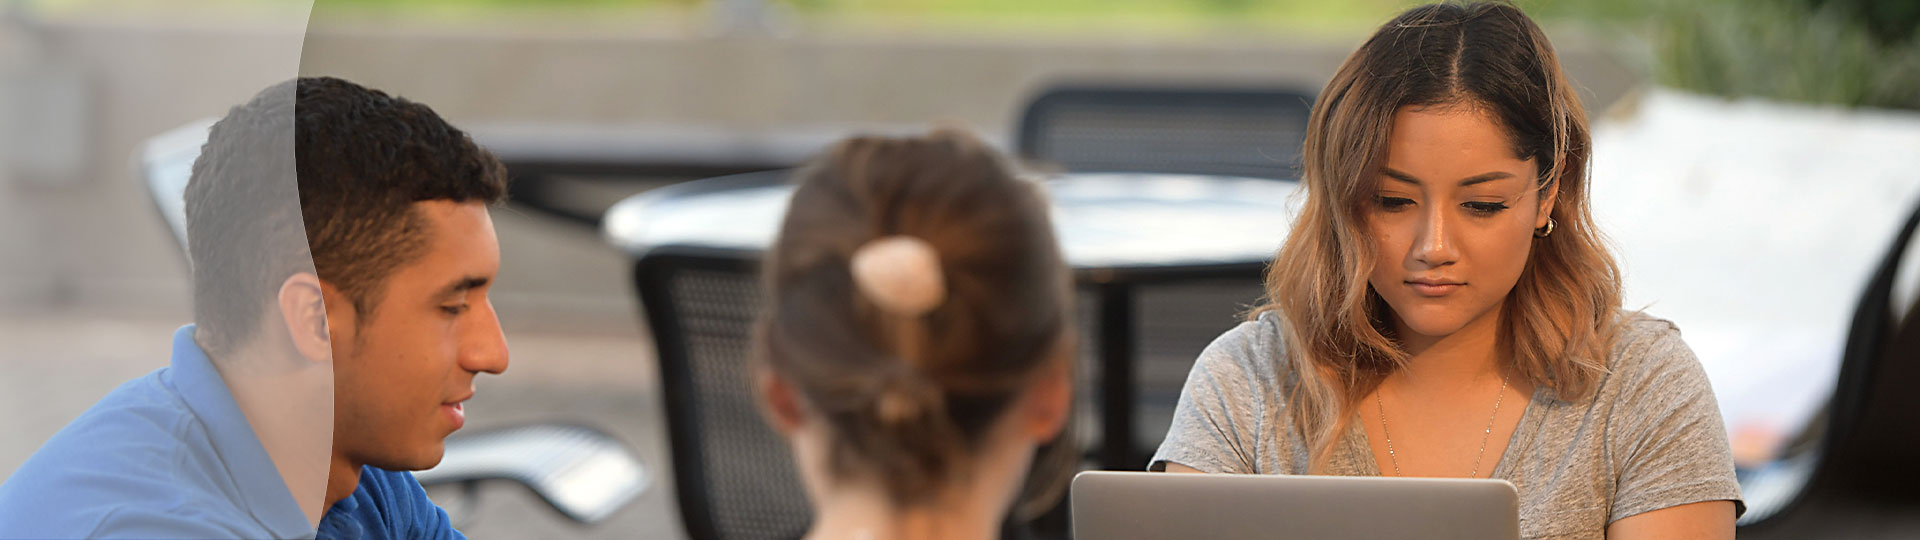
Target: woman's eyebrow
{"x": 1468, "y": 181}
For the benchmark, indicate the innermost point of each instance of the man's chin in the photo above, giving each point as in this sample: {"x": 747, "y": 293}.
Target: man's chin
{"x": 416, "y": 461}
{"x": 431, "y": 461}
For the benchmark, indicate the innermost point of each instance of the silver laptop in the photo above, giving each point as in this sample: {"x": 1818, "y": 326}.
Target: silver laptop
{"x": 1111, "y": 505}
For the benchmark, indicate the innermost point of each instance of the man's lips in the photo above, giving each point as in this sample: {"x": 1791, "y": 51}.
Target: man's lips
{"x": 456, "y": 411}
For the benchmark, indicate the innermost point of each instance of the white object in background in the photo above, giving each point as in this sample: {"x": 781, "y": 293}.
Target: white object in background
{"x": 1754, "y": 227}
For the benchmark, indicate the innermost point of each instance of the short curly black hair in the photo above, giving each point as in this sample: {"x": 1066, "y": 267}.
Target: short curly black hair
{"x": 354, "y": 160}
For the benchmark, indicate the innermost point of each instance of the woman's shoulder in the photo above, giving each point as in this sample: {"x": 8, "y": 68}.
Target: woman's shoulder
{"x": 1659, "y": 441}
{"x": 1643, "y": 342}
{"x": 1253, "y": 353}
{"x": 1255, "y": 342}
{"x": 1649, "y": 354}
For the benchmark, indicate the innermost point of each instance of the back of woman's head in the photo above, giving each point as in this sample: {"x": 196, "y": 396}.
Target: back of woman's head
{"x": 914, "y": 292}
{"x": 1485, "y": 57}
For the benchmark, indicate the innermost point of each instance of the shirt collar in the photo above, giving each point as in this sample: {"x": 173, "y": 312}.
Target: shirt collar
{"x": 342, "y": 522}
{"x": 262, "y": 491}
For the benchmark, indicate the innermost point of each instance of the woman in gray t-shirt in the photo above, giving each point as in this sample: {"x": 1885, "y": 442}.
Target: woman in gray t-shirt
{"x": 1444, "y": 306}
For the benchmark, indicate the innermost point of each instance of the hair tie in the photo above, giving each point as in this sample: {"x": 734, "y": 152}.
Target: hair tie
{"x": 900, "y": 274}
{"x": 903, "y": 395}
{"x": 893, "y": 406}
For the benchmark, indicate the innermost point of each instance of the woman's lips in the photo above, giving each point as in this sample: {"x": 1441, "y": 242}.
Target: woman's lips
{"x": 1434, "y": 289}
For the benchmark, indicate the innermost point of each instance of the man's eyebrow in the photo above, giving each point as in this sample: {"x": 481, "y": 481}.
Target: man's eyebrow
{"x": 1468, "y": 181}
{"x": 462, "y": 285}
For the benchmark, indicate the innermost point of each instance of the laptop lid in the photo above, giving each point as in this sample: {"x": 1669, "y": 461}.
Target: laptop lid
{"x": 1110, "y": 505}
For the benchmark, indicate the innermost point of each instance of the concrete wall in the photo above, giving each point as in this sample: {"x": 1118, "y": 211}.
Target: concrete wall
{"x": 771, "y": 82}
{"x": 92, "y": 237}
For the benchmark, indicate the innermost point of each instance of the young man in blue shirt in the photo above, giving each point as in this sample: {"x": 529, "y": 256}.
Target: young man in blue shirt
{"x": 308, "y": 385}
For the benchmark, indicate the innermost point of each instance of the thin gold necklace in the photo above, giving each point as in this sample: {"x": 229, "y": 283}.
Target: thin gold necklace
{"x": 1488, "y": 432}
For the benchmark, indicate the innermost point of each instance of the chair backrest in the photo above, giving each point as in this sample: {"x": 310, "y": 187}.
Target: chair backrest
{"x": 1176, "y": 320}
{"x": 1867, "y": 456}
{"x": 1252, "y": 132}
{"x": 164, "y": 164}
{"x": 1870, "y": 447}
{"x": 734, "y": 476}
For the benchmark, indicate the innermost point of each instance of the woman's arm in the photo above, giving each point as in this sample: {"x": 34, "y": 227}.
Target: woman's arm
{"x": 1176, "y": 467}
{"x": 1704, "y": 520}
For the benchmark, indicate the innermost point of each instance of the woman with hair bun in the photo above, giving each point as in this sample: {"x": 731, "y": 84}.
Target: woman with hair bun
{"x": 917, "y": 345}
{"x": 1444, "y": 306}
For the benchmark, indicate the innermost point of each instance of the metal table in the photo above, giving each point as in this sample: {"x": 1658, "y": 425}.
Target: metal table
{"x": 1117, "y": 232}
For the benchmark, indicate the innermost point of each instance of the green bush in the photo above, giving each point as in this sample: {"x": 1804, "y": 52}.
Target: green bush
{"x": 1890, "y": 21}
{"x": 1841, "y": 52}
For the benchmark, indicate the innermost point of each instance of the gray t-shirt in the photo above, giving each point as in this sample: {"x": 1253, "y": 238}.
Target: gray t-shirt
{"x": 1650, "y": 438}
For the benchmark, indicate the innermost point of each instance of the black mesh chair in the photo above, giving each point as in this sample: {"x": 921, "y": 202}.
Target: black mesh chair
{"x": 1857, "y": 480}
{"x": 734, "y": 477}
{"x": 1231, "y": 132}
{"x": 1176, "y": 320}
{"x": 1249, "y": 132}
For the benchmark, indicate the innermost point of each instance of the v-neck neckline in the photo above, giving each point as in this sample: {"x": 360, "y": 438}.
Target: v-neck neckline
{"x": 1361, "y": 447}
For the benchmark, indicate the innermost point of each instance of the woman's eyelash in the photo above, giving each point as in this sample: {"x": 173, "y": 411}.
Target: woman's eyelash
{"x": 1486, "y": 207}
{"x": 1478, "y": 207}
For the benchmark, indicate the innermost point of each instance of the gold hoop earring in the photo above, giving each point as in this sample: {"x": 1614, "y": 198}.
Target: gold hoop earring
{"x": 1544, "y": 231}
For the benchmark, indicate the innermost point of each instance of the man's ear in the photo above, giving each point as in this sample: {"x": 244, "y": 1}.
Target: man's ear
{"x": 303, "y": 308}
{"x": 779, "y": 401}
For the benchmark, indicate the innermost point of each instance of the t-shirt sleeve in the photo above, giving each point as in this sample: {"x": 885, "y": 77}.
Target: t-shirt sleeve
{"x": 1216, "y": 423}
{"x": 1667, "y": 439}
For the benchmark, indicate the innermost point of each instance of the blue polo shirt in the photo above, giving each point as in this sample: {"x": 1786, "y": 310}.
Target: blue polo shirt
{"x": 170, "y": 455}
{"x": 388, "y": 505}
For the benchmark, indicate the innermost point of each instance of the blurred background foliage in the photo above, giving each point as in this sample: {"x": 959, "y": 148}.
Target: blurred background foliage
{"x": 1068, "y": 17}
{"x": 1855, "y": 53}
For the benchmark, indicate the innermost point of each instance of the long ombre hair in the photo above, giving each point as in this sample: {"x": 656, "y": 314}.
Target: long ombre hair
{"x": 1558, "y": 320}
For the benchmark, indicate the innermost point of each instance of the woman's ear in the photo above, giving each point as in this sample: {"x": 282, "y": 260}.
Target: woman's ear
{"x": 1049, "y": 401}
{"x": 1548, "y": 196}
{"x": 778, "y": 401}
{"x": 303, "y": 309}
